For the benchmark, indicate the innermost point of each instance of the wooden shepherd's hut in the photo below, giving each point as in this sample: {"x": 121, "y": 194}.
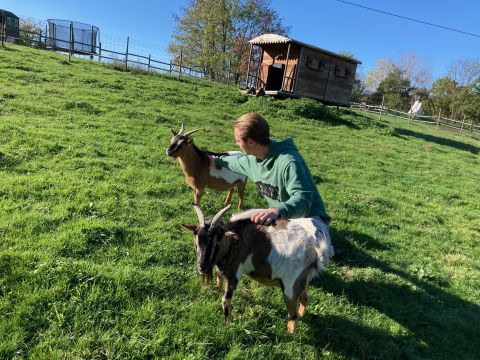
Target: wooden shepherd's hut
{"x": 287, "y": 67}
{"x": 9, "y": 26}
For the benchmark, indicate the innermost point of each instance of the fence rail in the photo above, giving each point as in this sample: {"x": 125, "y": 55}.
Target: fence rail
{"x": 438, "y": 121}
{"x": 126, "y": 59}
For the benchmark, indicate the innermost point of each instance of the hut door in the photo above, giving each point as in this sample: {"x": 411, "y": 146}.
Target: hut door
{"x": 275, "y": 77}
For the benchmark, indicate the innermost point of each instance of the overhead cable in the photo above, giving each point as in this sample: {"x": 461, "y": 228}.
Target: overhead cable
{"x": 408, "y": 18}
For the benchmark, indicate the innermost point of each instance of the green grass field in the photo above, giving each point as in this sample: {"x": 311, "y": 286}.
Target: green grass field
{"x": 94, "y": 263}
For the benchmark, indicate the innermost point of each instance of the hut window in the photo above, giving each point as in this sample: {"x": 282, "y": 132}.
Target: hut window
{"x": 12, "y": 22}
{"x": 315, "y": 64}
{"x": 341, "y": 71}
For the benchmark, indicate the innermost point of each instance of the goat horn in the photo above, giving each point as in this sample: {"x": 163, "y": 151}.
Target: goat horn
{"x": 191, "y": 132}
{"x": 199, "y": 212}
{"x": 219, "y": 215}
{"x": 181, "y": 130}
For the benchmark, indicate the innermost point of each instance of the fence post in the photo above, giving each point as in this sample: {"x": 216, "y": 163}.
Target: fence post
{"x": 381, "y": 109}
{"x": 463, "y": 122}
{"x": 149, "y": 60}
{"x": 46, "y": 32}
{"x": 100, "y": 52}
{"x": 2, "y": 31}
{"x": 181, "y": 61}
{"x": 126, "y": 53}
{"x": 248, "y": 66}
{"x": 438, "y": 119}
{"x": 92, "y": 45}
{"x": 71, "y": 42}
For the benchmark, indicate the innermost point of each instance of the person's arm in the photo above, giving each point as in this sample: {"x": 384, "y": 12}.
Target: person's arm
{"x": 238, "y": 164}
{"x": 299, "y": 203}
{"x": 299, "y": 189}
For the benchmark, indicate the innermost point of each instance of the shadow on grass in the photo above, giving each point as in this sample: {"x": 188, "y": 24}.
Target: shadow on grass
{"x": 437, "y": 140}
{"x": 437, "y": 324}
{"x": 330, "y": 115}
{"x": 8, "y": 48}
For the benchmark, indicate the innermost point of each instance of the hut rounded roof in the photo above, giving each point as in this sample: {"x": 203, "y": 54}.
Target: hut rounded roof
{"x": 9, "y": 14}
{"x": 270, "y": 39}
{"x": 279, "y": 39}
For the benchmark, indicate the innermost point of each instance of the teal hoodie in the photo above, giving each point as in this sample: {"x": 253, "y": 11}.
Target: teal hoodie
{"x": 283, "y": 178}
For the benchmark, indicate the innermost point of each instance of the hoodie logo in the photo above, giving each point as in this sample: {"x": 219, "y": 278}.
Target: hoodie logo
{"x": 267, "y": 190}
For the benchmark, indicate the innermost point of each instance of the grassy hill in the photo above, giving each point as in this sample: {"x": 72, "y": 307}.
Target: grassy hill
{"x": 94, "y": 264}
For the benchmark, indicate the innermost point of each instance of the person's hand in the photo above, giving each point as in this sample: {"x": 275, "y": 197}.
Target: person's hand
{"x": 265, "y": 216}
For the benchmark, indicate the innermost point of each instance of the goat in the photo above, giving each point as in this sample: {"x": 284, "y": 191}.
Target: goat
{"x": 287, "y": 254}
{"x": 200, "y": 169}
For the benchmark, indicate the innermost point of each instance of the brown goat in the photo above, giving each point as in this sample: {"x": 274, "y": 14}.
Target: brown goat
{"x": 200, "y": 170}
{"x": 287, "y": 254}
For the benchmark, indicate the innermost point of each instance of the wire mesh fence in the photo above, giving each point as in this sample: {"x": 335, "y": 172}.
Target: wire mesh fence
{"x": 84, "y": 41}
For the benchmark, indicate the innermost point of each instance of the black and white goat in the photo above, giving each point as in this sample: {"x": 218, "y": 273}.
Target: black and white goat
{"x": 200, "y": 170}
{"x": 287, "y": 254}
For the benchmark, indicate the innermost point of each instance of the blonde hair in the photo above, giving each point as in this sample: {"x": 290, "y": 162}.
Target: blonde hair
{"x": 253, "y": 126}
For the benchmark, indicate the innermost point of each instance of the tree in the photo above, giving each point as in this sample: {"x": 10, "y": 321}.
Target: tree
{"x": 30, "y": 31}
{"x": 348, "y": 54}
{"x": 395, "y": 89}
{"x": 253, "y": 18}
{"x": 464, "y": 71}
{"x": 443, "y": 95}
{"x": 359, "y": 91}
{"x": 376, "y": 76}
{"x": 201, "y": 35}
{"x": 214, "y": 34}
{"x": 416, "y": 69}
{"x": 470, "y": 106}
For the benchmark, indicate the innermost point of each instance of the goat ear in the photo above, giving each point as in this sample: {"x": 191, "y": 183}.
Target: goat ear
{"x": 191, "y": 227}
{"x": 174, "y": 133}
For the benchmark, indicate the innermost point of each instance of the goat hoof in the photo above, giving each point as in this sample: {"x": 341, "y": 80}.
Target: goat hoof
{"x": 302, "y": 310}
{"x": 292, "y": 326}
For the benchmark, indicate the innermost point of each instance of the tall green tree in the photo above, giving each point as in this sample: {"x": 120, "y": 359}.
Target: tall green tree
{"x": 202, "y": 35}
{"x": 359, "y": 90}
{"x": 214, "y": 34}
{"x": 395, "y": 89}
{"x": 444, "y": 96}
{"x": 470, "y": 106}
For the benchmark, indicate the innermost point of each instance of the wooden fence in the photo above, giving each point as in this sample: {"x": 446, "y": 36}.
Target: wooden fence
{"x": 125, "y": 59}
{"x": 438, "y": 120}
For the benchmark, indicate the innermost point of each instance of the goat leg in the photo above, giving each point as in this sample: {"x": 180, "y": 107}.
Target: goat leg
{"x": 219, "y": 280}
{"x": 292, "y": 306}
{"x": 227, "y": 299}
{"x": 197, "y": 195}
{"x": 241, "y": 193}
{"x": 302, "y": 308}
{"x": 228, "y": 199}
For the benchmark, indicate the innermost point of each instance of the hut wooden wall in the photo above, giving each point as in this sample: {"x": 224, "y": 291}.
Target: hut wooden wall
{"x": 322, "y": 76}
{"x": 277, "y": 54}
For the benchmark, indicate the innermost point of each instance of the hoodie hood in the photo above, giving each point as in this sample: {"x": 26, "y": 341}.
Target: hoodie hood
{"x": 278, "y": 147}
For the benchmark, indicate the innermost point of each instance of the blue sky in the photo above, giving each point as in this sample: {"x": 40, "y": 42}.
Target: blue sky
{"x": 328, "y": 24}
